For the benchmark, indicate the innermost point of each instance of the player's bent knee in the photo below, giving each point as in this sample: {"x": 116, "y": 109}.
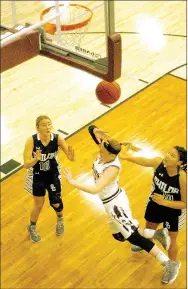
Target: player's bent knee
{"x": 58, "y": 207}
{"x": 119, "y": 237}
{"x": 138, "y": 240}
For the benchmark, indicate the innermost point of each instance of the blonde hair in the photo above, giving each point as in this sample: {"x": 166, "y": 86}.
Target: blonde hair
{"x": 39, "y": 118}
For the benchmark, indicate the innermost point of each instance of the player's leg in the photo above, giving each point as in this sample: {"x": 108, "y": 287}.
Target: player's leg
{"x": 121, "y": 204}
{"x": 161, "y": 235}
{"x": 38, "y": 202}
{"x": 114, "y": 230}
{"x": 173, "y": 266}
{"x": 38, "y": 191}
{"x": 173, "y": 250}
{"x": 130, "y": 224}
{"x": 124, "y": 225}
{"x": 149, "y": 225}
{"x": 174, "y": 225}
{"x": 122, "y": 200}
{"x": 55, "y": 198}
{"x": 153, "y": 219}
{"x": 131, "y": 233}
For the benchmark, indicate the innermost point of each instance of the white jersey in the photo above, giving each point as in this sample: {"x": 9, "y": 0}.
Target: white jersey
{"x": 98, "y": 169}
{"x": 115, "y": 200}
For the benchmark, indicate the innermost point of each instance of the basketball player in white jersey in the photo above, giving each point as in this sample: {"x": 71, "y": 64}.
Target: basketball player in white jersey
{"x": 106, "y": 170}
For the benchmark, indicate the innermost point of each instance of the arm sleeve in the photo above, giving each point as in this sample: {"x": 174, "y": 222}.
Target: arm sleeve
{"x": 90, "y": 129}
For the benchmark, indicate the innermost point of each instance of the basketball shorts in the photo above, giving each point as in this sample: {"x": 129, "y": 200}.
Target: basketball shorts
{"x": 119, "y": 214}
{"x": 159, "y": 214}
{"x": 37, "y": 185}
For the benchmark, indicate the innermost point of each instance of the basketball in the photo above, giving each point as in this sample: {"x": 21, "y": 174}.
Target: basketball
{"x": 108, "y": 92}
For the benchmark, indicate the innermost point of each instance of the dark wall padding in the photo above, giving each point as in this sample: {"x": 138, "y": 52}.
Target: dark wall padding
{"x": 20, "y": 50}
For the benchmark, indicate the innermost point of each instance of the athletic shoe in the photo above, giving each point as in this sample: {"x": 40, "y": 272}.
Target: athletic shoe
{"x": 33, "y": 234}
{"x": 172, "y": 270}
{"x": 59, "y": 227}
{"x": 162, "y": 235}
{"x": 136, "y": 249}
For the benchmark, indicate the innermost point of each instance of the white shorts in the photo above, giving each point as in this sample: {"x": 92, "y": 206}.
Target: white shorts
{"x": 119, "y": 214}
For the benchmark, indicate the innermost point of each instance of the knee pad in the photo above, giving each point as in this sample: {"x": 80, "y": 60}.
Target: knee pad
{"x": 138, "y": 240}
{"x": 119, "y": 237}
{"x": 58, "y": 209}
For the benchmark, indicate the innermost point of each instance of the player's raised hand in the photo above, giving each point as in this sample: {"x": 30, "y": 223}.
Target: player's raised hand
{"x": 129, "y": 146}
{"x": 101, "y": 135}
{"x": 71, "y": 154}
{"x": 37, "y": 155}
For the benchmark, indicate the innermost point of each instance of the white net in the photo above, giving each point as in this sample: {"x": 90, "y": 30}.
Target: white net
{"x": 74, "y": 24}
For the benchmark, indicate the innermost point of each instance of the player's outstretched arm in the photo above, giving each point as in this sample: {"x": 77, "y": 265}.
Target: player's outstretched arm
{"x": 138, "y": 160}
{"x": 141, "y": 161}
{"x": 97, "y": 134}
{"x": 129, "y": 146}
{"x": 66, "y": 148}
{"x": 106, "y": 178}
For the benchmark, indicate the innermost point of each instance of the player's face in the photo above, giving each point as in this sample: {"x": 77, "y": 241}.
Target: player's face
{"x": 103, "y": 151}
{"x": 172, "y": 158}
{"x": 45, "y": 127}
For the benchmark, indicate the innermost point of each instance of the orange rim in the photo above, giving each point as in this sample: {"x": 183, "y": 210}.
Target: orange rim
{"x": 51, "y": 28}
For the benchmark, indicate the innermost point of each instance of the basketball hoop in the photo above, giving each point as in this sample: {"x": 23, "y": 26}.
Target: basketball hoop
{"x": 73, "y": 30}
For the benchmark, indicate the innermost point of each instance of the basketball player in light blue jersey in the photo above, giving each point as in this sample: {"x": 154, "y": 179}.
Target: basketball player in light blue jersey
{"x": 106, "y": 170}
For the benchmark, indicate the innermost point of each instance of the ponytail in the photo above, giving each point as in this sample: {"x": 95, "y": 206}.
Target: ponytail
{"x": 182, "y": 157}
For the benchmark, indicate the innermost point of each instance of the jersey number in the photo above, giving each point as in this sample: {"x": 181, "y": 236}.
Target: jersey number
{"x": 45, "y": 166}
{"x": 168, "y": 197}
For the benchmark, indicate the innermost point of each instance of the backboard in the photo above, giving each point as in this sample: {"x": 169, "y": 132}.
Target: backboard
{"x": 83, "y": 36}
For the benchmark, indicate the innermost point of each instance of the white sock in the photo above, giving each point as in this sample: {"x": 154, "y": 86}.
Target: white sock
{"x": 148, "y": 233}
{"x": 161, "y": 257}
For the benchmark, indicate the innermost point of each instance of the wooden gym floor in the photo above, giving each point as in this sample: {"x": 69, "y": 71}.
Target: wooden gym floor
{"x": 86, "y": 256}
{"x": 151, "y": 112}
